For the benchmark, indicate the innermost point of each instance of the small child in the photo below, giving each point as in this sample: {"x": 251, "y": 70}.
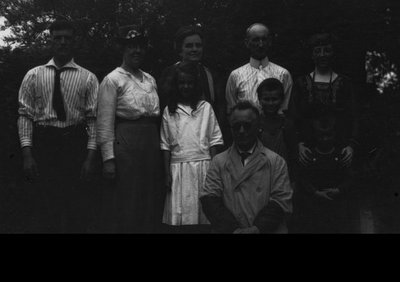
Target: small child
{"x": 278, "y": 133}
{"x": 189, "y": 136}
{"x": 325, "y": 183}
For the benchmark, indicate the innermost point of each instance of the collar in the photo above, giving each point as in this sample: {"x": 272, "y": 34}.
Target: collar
{"x": 122, "y": 71}
{"x": 250, "y": 151}
{"x": 256, "y": 63}
{"x": 185, "y": 108}
{"x": 70, "y": 65}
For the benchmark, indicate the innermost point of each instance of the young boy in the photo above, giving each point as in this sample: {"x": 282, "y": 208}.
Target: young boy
{"x": 278, "y": 132}
{"x": 324, "y": 184}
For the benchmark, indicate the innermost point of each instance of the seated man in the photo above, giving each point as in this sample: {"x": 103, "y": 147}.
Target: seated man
{"x": 247, "y": 189}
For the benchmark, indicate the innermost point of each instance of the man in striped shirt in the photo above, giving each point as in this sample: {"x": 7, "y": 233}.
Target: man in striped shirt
{"x": 243, "y": 82}
{"x": 57, "y": 116}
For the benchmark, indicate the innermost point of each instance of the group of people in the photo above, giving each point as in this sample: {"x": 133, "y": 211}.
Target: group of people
{"x": 267, "y": 155}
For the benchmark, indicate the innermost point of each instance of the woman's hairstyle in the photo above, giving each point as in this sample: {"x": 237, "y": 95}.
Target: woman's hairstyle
{"x": 184, "y": 32}
{"x": 321, "y": 38}
{"x": 191, "y": 69}
{"x": 271, "y": 84}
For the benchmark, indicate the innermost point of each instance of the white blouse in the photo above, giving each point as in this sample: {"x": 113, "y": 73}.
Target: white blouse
{"x": 121, "y": 94}
{"x": 189, "y": 134}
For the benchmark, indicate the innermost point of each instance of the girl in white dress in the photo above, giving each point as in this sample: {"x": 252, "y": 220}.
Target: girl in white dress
{"x": 189, "y": 136}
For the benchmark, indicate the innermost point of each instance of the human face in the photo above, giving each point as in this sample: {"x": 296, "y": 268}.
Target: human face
{"x": 244, "y": 126}
{"x": 325, "y": 137}
{"x": 62, "y": 43}
{"x": 323, "y": 55}
{"x": 326, "y": 141}
{"x": 192, "y": 48}
{"x": 134, "y": 54}
{"x": 186, "y": 86}
{"x": 258, "y": 42}
{"x": 270, "y": 101}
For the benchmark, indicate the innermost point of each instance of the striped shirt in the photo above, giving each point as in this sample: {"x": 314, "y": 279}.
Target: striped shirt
{"x": 79, "y": 89}
{"x": 243, "y": 82}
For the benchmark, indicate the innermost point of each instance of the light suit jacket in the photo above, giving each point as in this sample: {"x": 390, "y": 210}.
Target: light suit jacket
{"x": 245, "y": 191}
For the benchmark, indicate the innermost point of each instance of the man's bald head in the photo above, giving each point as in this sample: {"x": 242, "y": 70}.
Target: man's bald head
{"x": 258, "y": 40}
{"x": 256, "y": 28}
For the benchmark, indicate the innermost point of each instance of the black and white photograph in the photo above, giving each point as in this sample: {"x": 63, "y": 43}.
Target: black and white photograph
{"x": 173, "y": 117}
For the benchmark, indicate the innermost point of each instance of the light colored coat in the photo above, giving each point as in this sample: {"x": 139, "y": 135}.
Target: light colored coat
{"x": 247, "y": 190}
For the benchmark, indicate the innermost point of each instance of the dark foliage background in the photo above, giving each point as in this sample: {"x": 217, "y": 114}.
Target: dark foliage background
{"x": 359, "y": 25}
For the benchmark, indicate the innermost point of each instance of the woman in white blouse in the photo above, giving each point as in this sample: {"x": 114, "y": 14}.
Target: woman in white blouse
{"x": 127, "y": 133}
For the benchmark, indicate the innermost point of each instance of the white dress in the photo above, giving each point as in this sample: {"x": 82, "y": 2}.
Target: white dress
{"x": 188, "y": 135}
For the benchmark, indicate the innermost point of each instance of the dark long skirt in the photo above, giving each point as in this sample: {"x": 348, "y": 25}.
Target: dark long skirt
{"x": 139, "y": 178}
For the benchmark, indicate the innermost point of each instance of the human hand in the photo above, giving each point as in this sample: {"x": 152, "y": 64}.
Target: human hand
{"x": 87, "y": 170}
{"x": 168, "y": 182}
{"x": 109, "y": 169}
{"x": 323, "y": 195}
{"x": 333, "y": 192}
{"x": 30, "y": 167}
{"x": 347, "y": 156}
{"x": 305, "y": 154}
{"x": 248, "y": 230}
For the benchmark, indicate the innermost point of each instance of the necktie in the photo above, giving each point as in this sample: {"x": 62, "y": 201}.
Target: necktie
{"x": 58, "y": 104}
{"x": 244, "y": 156}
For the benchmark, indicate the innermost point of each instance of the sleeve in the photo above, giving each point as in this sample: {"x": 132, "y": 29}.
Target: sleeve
{"x": 281, "y": 191}
{"x": 354, "y": 112}
{"x": 164, "y": 132}
{"x": 296, "y": 110}
{"x": 291, "y": 144}
{"x": 222, "y": 220}
{"x": 305, "y": 183}
{"x": 280, "y": 202}
{"x": 91, "y": 108}
{"x": 231, "y": 93}
{"x": 214, "y": 131}
{"x": 287, "y": 87}
{"x": 26, "y": 110}
{"x": 107, "y": 104}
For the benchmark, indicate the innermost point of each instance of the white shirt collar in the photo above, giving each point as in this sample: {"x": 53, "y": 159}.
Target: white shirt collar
{"x": 70, "y": 64}
{"x": 256, "y": 63}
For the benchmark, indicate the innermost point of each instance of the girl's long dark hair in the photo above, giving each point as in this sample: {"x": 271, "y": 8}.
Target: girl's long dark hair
{"x": 188, "y": 68}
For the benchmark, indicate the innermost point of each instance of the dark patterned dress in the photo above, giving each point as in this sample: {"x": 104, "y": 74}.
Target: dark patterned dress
{"x": 312, "y": 98}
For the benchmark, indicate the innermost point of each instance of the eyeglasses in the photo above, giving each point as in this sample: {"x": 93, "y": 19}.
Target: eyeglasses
{"x": 238, "y": 125}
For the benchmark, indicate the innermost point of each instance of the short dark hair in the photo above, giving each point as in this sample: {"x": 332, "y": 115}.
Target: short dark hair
{"x": 246, "y": 105}
{"x": 184, "y": 32}
{"x": 62, "y": 25}
{"x": 271, "y": 84}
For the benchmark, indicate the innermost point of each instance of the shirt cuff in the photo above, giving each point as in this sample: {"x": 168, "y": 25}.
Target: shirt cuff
{"x": 107, "y": 151}
{"x": 26, "y": 142}
{"x": 164, "y": 147}
{"x": 216, "y": 143}
{"x": 92, "y": 144}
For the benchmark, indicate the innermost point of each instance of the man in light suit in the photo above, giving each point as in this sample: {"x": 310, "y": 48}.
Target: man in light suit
{"x": 247, "y": 189}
